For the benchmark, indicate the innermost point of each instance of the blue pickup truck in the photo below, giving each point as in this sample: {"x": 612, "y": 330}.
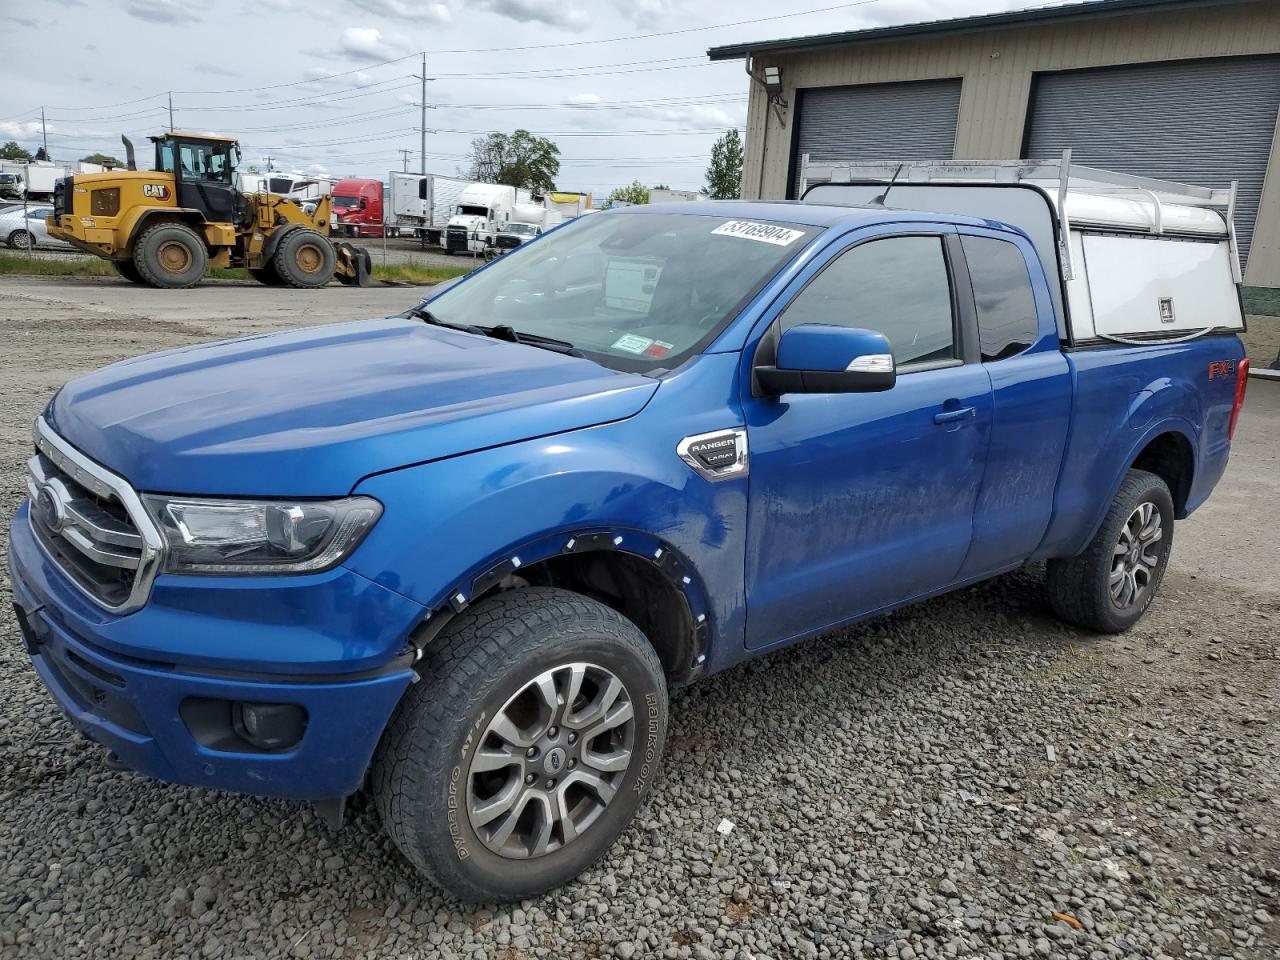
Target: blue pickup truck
{"x": 459, "y": 556}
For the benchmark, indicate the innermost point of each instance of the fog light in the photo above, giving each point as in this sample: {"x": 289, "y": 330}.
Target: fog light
{"x": 269, "y": 726}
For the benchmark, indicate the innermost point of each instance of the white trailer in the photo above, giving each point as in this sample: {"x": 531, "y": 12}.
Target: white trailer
{"x": 1139, "y": 260}
{"x": 422, "y": 204}
{"x": 37, "y": 176}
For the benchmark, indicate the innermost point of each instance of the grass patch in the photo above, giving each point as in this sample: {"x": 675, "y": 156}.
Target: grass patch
{"x": 17, "y": 263}
{"x": 417, "y": 273}
{"x": 42, "y": 267}
{"x": 1261, "y": 301}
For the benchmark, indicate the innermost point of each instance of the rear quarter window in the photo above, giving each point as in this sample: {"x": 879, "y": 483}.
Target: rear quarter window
{"x": 1003, "y": 295}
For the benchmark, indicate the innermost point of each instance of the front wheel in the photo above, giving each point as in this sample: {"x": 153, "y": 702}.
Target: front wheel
{"x": 127, "y": 270}
{"x": 1109, "y": 586}
{"x": 22, "y": 240}
{"x": 527, "y": 746}
{"x": 305, "y": 258}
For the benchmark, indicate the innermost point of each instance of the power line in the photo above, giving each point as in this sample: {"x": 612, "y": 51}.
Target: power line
{"x": 665, "y": 33}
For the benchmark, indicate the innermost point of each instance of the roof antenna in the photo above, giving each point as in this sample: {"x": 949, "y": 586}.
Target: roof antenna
{"x": 879, "y": 201}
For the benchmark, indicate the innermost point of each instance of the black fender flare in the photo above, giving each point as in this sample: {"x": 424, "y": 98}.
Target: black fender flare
{"x": 673, "y": 566}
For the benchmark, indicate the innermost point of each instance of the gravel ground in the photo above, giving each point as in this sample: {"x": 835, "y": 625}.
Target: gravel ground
{"x": 964, "y": 778}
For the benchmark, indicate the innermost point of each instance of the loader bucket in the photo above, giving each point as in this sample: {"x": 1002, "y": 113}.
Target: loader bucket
{"x": 355, "y": 266}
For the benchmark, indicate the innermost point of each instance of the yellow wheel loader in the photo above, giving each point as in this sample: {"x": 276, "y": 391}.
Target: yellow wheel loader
{"x": 165, "y": 227}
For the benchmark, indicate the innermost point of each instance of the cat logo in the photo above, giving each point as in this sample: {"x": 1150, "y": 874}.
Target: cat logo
{"x": 156, "y": 191}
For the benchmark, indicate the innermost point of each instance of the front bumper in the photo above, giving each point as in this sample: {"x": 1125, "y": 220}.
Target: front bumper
{"x": 123, "y": 681}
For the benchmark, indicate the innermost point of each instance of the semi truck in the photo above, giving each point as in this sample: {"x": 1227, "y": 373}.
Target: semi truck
{"x": 421, "y": 204}
{"x": 358, "y": 209}
{"x": 458, "y": 557}
{"x": 482, "y": 210}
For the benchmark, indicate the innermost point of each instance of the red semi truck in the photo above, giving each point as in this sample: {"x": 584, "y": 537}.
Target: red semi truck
{"x": 358, "y": 208}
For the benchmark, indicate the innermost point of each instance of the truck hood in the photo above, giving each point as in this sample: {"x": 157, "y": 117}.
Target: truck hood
{"x": 311, "y": 412}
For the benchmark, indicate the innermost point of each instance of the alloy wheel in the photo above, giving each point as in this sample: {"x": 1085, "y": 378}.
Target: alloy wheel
{"x": 1136, "y": 556}
{"x": 550, "y": 761}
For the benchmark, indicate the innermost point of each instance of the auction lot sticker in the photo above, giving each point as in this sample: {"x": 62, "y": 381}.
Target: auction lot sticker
{"x": 763, "y": 232}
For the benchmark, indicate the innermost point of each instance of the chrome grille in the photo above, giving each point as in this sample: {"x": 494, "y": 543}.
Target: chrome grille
{"x": 91, "y": 524}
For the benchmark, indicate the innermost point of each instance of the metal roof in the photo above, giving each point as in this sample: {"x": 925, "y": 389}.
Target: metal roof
{"x": 1096, "y": 9}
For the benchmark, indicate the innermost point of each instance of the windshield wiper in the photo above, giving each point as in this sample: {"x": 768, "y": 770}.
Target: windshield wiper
{"x": 422, "y": 313}
{"x": 504, "y": 332}
{"x": 501, "y": 332}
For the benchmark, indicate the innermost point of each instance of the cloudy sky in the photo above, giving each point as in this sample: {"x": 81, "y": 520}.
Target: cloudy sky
{"x": 326, "y": 86}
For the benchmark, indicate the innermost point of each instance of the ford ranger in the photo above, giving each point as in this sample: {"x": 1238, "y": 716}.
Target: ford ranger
{"x": 460, "y": 555}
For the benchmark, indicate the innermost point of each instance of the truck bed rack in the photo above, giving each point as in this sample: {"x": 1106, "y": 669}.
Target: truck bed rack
{"x": 1082, "y": 197}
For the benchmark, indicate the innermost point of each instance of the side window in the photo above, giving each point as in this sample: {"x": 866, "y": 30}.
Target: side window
{"x": 1002, "y": 290}
{"x": 898, "y": 286}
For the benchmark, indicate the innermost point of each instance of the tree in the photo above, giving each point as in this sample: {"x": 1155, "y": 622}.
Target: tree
{"x": 634, "y": 192}
{"x": 517, "y": 159}
{"x": 103, "y": 160}
{"x": 724, "y": 174}
{"x": 11, "y": 151}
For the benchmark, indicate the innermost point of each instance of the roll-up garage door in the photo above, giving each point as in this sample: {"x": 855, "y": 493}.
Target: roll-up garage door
{"x": 1198, "y": 121}
{"x": 889, "y": 121}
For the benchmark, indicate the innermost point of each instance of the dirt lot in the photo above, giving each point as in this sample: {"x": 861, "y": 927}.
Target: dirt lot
{"x": 964, "y": 778}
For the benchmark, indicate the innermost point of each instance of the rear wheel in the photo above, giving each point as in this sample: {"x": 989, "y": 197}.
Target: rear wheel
{"x": 527, "y": 746}
{"x": 22, "y": 240}
{"x": 1109, "y": 587}
{"x": 171, "y": 256}
{"x": 127, "y": 270}
{"x": 305, "y": 258}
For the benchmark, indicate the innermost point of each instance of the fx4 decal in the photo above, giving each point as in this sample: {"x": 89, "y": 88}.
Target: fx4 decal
{"x": 1222, "y": 368}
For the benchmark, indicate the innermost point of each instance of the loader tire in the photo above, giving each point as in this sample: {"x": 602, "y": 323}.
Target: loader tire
{"x": 305, "y": 258}
{"x": 170, "y": 256}
{"x": 127, "y": 270}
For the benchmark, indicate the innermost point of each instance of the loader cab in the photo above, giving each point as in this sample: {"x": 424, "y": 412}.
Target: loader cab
{"x": 204, "y": 172}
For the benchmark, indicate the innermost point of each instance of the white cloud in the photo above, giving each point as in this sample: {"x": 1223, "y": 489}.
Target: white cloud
{"x": 367, "y": 43}
{"x": 584, "y": 99}
{"x": 408, "y": 9}
{"x": 23, "y": 130}
{"x": 650, "y": 13}
{"x": 553, "y": 13}
{"x": 161, "y": 11}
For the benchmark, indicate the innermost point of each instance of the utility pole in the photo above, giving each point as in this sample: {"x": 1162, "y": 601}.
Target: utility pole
{"x": 405, "y": 155}
{"x": 269, "y": 160}
{"x": 171, "y": 111}
{"x": 44, "y": 134}
{"x": 422, "y": 129}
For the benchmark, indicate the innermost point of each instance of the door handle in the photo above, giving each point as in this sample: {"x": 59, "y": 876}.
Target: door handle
{"x": 951, "y": 416}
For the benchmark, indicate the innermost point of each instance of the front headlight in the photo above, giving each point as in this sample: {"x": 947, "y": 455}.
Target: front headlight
{"x": 260, "y": 536}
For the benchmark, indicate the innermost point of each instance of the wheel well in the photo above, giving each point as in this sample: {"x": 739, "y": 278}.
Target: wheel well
{"x": 630, "y": 584}
{"x": 148, "y": 220}
{"x": 1169, "y": 457}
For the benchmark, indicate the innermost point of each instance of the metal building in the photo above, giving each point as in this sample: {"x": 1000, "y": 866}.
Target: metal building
{"x": 1178, "y": 89}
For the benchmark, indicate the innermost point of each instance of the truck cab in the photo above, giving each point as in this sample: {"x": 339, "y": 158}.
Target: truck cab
{"x": 357, "y": 207}
{"x": 483, "y": 209}
{"x": 460, "y": 556}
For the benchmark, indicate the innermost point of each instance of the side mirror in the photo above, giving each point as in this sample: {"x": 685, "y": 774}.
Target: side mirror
{"x": 825, "y": 358}
{"x": 364, "y": 202}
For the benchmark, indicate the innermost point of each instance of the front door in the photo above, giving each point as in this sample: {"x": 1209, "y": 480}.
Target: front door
{"x": 204, "y": 175}
{"x": 861, "y": 501}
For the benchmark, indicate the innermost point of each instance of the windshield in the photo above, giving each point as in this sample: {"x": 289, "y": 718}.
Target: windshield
{"x": 525, "y": 228}
{"x": 467, "y": 210}
{"x": 634, "y": 292}
{"x": 280, "y": 184}
{"x": 345, "y": 201}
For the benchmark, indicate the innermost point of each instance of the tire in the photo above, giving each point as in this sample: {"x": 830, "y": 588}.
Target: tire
{"x": 481, "y": 669}
{"x": 1140, "y": 518}
{"x": 170, "y": 256}
{"x": 304, "y": 259}
{"x": 22, "y": 240}
{"x": 127, "y": 270}
{"x": 266, "y": 276}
